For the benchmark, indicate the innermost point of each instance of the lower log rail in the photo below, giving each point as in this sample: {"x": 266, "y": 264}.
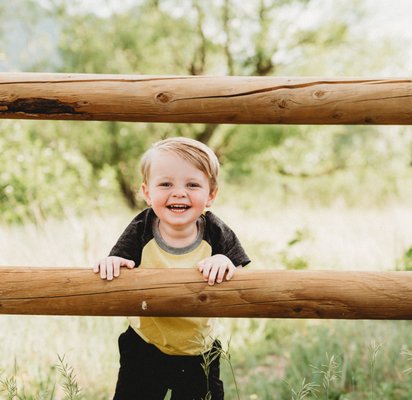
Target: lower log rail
{"x": 182, "y": 292}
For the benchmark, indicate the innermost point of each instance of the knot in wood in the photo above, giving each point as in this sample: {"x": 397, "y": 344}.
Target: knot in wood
{"x": 319, "y": 94}
{"x": 163, "y": 97}
{"x": 282, "y": 103}
{"x": 337, "y": 115}
{"x": 202, "y": 297}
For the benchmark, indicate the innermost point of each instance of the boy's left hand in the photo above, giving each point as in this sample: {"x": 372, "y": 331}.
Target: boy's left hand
{"x": 215, "y": 267}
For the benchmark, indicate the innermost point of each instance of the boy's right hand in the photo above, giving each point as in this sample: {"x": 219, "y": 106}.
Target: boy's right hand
{"x": 109, "y": 267}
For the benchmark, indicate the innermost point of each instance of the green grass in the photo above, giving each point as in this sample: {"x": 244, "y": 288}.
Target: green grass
{"x": 270, "y": 358}
{"x": 344, "y": 359}
{"x": 340, "y": 359}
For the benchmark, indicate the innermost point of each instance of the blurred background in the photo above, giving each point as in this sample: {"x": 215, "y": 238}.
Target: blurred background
{"x": 299, "y": 197}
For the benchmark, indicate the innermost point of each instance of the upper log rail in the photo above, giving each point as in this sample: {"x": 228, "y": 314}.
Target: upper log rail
{"x": 182, "y": 292}
{"x": 206, "y": 99}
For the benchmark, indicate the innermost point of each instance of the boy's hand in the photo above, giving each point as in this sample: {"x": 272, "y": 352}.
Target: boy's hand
{"x": 109, "y": 267}
{"x": 215, "y": 267}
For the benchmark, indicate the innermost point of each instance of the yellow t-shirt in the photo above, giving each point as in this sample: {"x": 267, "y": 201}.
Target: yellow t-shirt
{"x": 174, "y": 335}
{"x": 141, "y": 242}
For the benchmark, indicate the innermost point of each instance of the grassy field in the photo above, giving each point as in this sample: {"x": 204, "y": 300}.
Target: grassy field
{"x": 271, "y": 359}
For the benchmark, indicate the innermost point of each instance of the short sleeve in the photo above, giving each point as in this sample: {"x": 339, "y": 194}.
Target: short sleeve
{"x": 224, "y": 241}
{"x": 132, "y": 240}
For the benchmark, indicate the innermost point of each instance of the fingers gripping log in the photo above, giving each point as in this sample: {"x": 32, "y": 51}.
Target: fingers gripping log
{"x": 182, "y": 292}
{"x": 207, "y": 99}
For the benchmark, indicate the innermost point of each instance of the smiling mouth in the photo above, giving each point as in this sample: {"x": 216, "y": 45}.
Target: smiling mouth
{"x": 178, "y": 207}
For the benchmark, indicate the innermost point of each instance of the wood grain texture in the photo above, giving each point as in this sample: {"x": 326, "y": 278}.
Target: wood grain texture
{"x": 182, "y": 292}
{"x": 207, "y": 99}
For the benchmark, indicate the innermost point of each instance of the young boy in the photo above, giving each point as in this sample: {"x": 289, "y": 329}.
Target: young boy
{"x": 161, "y": 353}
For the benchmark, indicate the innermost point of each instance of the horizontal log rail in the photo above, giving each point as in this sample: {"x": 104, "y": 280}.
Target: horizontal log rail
{"x": 182, "y": 292}
{"x": 206, "y": 99}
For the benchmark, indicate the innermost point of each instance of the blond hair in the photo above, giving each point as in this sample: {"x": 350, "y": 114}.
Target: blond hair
{"x": 193, "y": 151}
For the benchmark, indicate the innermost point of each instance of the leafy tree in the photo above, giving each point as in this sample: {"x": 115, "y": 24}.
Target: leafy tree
{"x": 37, "y": 181}
{"x": 194, "y": 37}
{"x": 169, "y": 37}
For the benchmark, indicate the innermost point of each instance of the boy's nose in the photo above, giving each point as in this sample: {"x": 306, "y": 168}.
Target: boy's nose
{"x": 179, "y": 193}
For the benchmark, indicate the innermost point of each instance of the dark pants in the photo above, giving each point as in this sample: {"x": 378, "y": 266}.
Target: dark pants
{"x": 146, "y": 373}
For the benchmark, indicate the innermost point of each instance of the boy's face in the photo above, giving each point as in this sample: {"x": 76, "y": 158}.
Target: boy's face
{"x": 177, "y": 191}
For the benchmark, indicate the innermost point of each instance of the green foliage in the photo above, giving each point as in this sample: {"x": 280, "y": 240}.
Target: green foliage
{"x": 291, "y": 260}
{"x": 324, "y": 166}
{"x": 70, "y": 385}
{"x": 44, "y": 389}
{"x": 305, "y": 390}
{"x": 328, "y": 360}
{"x": 9, "y": 385}
{"x": 55, "y": 168}
{"x": 38, "y": 177}
{"x": 330, "y": 372}
{"x": 241, "y": 147}
{"x": 144, "y": 39}
{"x": 209, "y": 357}
{"x": 356, "y": 368}
{"x": 405, "y": 262}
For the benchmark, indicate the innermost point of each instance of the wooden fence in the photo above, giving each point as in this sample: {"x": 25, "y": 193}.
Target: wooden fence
{"x": 182, "y": 292}
{"x": 225, "y": 99}
{"x": 239, "y": 100}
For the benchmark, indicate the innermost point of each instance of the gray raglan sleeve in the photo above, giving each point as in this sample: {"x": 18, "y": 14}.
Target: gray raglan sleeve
{"x": 131, "y": 241}
{"x": 224, "y": 241}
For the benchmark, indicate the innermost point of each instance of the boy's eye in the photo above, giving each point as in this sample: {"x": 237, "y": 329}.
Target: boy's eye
{"x": 165, "y": 184}
{"x": 193, "y": 185}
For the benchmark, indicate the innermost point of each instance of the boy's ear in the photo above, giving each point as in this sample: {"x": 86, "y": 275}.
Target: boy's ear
{"x": 212, "y": 197}
{"x": 146, "y": 195}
